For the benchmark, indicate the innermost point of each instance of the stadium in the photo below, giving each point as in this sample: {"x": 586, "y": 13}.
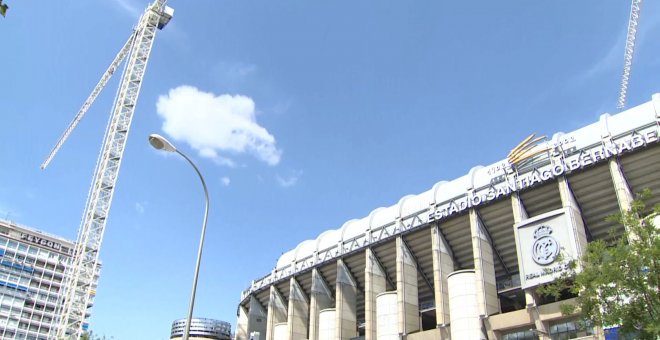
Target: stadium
{"x": 463, "y": 259}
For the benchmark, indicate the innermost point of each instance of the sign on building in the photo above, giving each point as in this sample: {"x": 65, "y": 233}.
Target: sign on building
{"x": 546, "y": 244}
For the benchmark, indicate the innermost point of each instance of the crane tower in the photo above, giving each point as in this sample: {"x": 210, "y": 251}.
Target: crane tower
{"x": 72, "y": 309}
{"x": 635, "y": 8}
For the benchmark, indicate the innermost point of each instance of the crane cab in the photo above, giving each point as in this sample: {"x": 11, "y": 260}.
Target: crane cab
{"x": 165, "y": 17}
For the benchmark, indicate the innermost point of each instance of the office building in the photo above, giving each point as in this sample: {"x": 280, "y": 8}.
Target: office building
{"x": 463, "y": 259}
{"x": 32, "y": 269}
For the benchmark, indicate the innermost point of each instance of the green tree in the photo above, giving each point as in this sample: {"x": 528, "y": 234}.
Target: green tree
{"x": 3, "y": 8}
{"x": 617, "y": 283}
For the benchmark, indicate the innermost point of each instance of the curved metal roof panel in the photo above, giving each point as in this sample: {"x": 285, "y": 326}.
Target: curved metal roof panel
{"x": 452, "y": 189}
{"x": 372, "y": 216}
{"x": 404, "y": 204}
{"x": 384, "y": 216}
{"x": 354, "y": 228}
{"x": 619, "y": 124}
{"x": 479, "y": 177}
{"x": 305, "y": 249}
{"x": 415, "y": 203}
{"x": 286, "y": 259}
{"x": 327, "y": 239}
{"x": 437, "y": 187}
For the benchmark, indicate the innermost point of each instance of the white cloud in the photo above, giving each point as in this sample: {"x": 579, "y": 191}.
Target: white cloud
{"x": 234, "y": 71}
{"x": 129, "y": 7}
{"x": 610, "y": 61}
{"x": 243, "y": 70}
{"x": 282, "y": 107}
{"x": 613, "y": 59}
{"x": 214, "y": 124}
{"x": 289, "y": 181}
{"x": 139, "y": 207}
{"x": 225, "y": 181}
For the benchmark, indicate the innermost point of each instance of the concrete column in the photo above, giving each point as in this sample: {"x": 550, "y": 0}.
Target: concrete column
{"x": 298, "y": 315}
{"x": 327, "y": 329}
{"x": 277, "y": 312}
{"x": 443, "y": 265}
{"x": 375, "y": 283}
{"x": 346, "y": 303}
{"x": 568, "y": 201}
{"x": 484, "y": 267}
{"x": 406, "y": 289}
{"x": 251, "y": 319}
{"x": 321, "y": 299}
{"x": 531, "y": 299}
{"x": 519, "y": 215}
{"x": 519, "y": 212}
{"x": 466, "y": 322}
{"x": 623, "y": 193}
{"x": 242, "y": 324}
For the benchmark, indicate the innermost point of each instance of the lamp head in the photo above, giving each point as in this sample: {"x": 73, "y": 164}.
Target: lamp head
{"x": 160, "y": 143}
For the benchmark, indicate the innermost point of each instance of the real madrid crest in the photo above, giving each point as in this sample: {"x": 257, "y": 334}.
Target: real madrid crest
{"x": 545, "y": 248}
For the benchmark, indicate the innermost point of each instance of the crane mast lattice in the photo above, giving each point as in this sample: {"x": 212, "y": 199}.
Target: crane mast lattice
{"x": 635, "y": 8}
{"x": 72, "y": 309}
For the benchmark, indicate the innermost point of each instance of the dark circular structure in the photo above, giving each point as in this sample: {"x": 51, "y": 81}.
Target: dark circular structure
{"x": 201, "y": 328}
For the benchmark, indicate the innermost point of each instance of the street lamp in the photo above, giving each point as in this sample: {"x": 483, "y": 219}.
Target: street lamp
{"x": 160, "y": 143}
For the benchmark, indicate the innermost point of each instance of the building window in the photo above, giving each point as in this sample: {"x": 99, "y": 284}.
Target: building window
{"x": 521, "y": 334}
{"x": 512, "y": 300}
{"x": 569, "y": 329}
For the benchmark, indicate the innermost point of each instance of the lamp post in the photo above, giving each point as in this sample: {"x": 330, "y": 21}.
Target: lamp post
{"x": 160, "y": 143}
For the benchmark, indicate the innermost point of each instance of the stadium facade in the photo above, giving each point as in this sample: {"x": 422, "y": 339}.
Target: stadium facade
{"x": 463, "y": 259}
{"x": 32, "y": 271}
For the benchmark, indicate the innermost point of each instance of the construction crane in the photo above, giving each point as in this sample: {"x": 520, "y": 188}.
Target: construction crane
{"x": 635, "y": 8}
{"x": 79, "y": 290}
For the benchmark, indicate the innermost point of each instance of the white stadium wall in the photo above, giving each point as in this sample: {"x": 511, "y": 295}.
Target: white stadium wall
{"x": 506, "y": 222}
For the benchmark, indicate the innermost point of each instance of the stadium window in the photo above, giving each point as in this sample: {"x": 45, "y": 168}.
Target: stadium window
{"x": 521, "y": 334}
{"x": 569, "y": 329}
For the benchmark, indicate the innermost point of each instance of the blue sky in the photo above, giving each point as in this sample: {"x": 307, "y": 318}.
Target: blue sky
{"x": 301, "y": 115}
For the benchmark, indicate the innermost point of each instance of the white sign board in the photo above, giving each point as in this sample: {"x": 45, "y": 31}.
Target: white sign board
{"x": 540, "y": 242}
